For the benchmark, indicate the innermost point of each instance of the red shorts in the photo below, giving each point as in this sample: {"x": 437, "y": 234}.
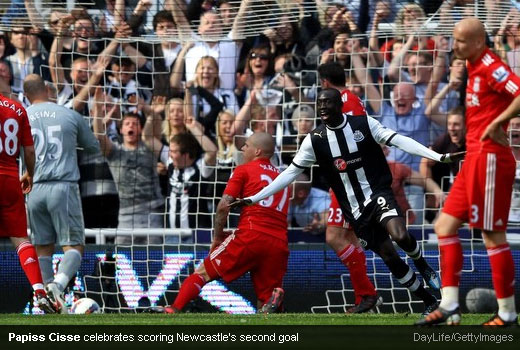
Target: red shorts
{"x": 481, "y": 194}
{"x": 13, "y": 220}
{"x": 336, "y": 217}
{"x": 264, "y": 256}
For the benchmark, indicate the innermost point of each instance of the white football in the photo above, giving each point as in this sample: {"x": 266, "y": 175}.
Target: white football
{"x": 85, "y": 306}
{"x": 481, "y": 300}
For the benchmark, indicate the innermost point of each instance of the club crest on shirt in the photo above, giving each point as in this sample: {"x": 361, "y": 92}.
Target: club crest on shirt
{"x": 358, "y": 136}
{"x": 340, "y": 164}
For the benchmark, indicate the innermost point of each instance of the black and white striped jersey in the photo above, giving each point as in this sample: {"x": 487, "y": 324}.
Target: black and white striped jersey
{"x": 352, "y": 160}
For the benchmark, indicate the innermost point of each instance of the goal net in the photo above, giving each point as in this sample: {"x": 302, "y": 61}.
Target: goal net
{"x": 242, "y": 67}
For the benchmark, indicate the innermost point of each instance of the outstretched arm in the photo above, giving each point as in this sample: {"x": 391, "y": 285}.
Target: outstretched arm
{"x": 34, "y": 16}
{"x": 151, "y": 134}
{"x": 183, "y": 25}
{"x": 389, "y": 137}
{"x": 178, "y": 69}
{"x": 395, "y": 67}
{"x": 239, "y": 23}
{"x": 55, "y": 67}
{"x": 438, "y": 71}
{"x": 411, "y": 146}
{"x": 244, "y": 114}
{"x": 304, "y": 158}
{"x": 119, "y": 12}
{"x": 362, "y": 74}
{"x": 82, "y": 98}
{"x": 282, "y": 181}
{"x": 208, "y": 146}
{"x": 98, "y": 122}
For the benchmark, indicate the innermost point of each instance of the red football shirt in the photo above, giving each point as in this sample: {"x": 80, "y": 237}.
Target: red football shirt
{"x": 15, "y": 132}
{"x": 352, "y": 104}
{"x": 491, "y": 88}
{"x": 268, "y": 215}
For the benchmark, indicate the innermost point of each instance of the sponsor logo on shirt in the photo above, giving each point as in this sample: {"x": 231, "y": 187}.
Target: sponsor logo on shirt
{"x": 358, "y": 136}
{"x": 340, "y": 164}
{"x": 500, "y": 74}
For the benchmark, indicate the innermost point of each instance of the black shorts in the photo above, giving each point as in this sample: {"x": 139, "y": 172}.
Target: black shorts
{"x": 370, "y": 228}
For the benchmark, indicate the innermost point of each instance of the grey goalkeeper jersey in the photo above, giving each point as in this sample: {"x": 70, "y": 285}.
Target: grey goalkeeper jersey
{"x": 57, "y": 131}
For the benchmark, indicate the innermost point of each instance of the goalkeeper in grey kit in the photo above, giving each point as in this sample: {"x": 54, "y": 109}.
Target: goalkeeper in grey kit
{"x": 348, "y": 149}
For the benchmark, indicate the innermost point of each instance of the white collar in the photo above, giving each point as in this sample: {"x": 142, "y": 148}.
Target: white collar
{"x": 340, "y": 126}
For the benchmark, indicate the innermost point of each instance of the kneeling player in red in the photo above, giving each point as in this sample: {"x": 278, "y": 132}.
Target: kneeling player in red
{"x": 258, "y": 246}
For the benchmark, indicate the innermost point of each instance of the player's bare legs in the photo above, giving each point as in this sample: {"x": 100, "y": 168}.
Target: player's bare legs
{"x": 29, "y": 262}
{"x": 189, "y": 290}
{"x": 403, "y": 273}
{"x": 446, "y": 227}
{"x": 338, "y": 238}
{"x": 396, "y": 227}
{"x": 503, "y": 275}
{"x": 348, "y": 249}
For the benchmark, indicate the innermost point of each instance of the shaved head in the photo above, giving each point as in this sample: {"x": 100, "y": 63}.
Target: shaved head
{"x": 34, "y": 87}
{"x": 264, "y": 142}
{"x": 472, "y": 27}
{"x": 469, "y": 39}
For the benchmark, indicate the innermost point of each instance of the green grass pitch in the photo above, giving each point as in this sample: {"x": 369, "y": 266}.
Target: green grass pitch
{"x": 224, "y": 319}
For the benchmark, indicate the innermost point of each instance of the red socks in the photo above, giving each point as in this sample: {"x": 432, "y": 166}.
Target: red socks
{"x": 29, "y": 261}
{"x": 355, "y": 261}
{"x": 190, "y": 289}
{"x": 502, "y": 270}
{"x": 451, "y": 260}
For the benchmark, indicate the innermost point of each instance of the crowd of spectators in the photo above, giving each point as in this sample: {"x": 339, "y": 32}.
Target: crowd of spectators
{"x": 173, "y": 100}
